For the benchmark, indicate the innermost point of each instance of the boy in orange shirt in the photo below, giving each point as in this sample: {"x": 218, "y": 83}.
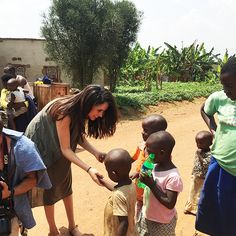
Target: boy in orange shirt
{"x": 150, "y": 125}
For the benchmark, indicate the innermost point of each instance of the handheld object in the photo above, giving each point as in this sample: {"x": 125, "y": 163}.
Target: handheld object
{"x": 147, "y": 167}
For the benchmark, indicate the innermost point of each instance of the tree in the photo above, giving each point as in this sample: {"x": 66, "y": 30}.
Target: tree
{"x": 82, "y": 35}
{"x": 125, "y": 22}
{"x": 191, "y": 63}
{"x": 141, "y": 67}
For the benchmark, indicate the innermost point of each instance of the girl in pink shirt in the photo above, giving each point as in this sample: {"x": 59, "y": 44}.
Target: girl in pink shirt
{"x": 159, "y": 214}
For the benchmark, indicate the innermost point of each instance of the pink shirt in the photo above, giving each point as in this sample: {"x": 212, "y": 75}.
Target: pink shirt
{"x": 153, "y": 210}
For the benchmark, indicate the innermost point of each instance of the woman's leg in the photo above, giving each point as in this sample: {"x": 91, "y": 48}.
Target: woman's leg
{"x": 68, "y": 202}
{"x": 50, "y": 215}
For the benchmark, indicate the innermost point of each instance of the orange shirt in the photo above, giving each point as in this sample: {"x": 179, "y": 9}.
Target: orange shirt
{"x": 139, "y": 156}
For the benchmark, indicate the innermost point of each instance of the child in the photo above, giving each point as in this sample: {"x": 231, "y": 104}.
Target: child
{"x": 15, "y": 96}
{"x": 217, "y": 205}
{"x": 150, "y": 124}
{"x": 10, "y": 69}
{"x": 201, "y": 162}
{"x": 120, "y": 208}
{"x": 25, "y": 86}
{"x": 158, "y": 216}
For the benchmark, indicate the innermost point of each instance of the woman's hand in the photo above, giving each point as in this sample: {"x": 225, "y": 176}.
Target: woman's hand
{"x": 95, "y": 175}
{"x": 100, "y": 156}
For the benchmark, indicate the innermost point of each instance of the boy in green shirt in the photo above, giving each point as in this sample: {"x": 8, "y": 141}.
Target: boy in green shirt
{"x": 217, "y": 205}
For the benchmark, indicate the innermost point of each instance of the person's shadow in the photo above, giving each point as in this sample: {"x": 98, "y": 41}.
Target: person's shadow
{"x": 65, "y": 232}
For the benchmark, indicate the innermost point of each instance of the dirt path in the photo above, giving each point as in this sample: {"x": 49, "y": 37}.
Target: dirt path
{"x": 184, "y": 121}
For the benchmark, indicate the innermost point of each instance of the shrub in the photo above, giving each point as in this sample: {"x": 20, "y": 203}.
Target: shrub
{"x": 136, "y": 98}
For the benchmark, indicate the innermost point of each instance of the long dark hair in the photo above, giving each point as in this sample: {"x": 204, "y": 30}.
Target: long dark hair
{"x": 79, "y": 105}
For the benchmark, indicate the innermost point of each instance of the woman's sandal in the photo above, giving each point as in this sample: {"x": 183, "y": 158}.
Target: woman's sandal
{"x": 75, "y": 231}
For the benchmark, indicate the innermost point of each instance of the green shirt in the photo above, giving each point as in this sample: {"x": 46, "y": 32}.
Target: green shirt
{"x": 224, "y": 146}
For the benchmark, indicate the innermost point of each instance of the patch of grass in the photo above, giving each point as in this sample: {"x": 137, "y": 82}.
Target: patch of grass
{"x": 137, "y": 98}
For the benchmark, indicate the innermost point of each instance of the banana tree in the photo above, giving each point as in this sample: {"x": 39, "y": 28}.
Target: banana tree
{"x": 191, "y": 63}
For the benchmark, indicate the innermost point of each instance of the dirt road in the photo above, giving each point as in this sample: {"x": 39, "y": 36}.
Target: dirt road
{"x": 184, "y": 121}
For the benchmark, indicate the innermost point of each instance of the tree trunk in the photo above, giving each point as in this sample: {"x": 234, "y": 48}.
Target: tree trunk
{"x": 113, "y": 75}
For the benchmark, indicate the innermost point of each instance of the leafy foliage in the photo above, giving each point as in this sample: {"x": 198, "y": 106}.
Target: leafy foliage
{"x": 191, "y": 63}
{"x": 140, "y": 67}
{"x": 172, "y": 91}
{"x": 125, "y": 21}
{"x": 84, "y": 35}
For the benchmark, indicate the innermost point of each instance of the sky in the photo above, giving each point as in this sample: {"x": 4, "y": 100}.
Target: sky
{"x": 177, "y": 22}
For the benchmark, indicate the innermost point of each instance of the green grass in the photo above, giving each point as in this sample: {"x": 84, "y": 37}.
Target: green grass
{"x": 137, "y": 98}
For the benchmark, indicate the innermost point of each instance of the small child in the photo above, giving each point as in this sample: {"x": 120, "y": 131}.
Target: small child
{"x": 15, "y": 96}
{"x": 200, "y": 167}
{"x": 23, "y": 83}
{"x": 150, "y": 124}
{"x": 120, "y": 208}
{"x": 158, "y": 216}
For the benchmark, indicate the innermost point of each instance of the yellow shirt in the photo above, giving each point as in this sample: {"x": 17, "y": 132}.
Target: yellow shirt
{"x": 120, "y": 203}
{"x": 4, "y": 100}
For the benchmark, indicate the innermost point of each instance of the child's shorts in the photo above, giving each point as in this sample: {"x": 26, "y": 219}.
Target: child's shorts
{"x": 147, "y": 227}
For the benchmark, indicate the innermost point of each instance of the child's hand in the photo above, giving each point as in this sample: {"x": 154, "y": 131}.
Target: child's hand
{"x": 135, "y": 175}
{"x": 13, "y": 97}
{"x": 147, "y": 179}
{"x": 10, "y": 104}
{"x": 106, "y": 183}
{"x": 199, "y": 151}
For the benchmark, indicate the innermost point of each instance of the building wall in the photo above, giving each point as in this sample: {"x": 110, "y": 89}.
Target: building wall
{"x": 28, "y": 53}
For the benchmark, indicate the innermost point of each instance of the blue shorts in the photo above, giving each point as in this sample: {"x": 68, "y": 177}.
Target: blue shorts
{"x": 216, "y": 214}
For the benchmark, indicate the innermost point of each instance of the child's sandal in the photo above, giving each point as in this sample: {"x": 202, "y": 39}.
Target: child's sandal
{"x": 75, "y": 231}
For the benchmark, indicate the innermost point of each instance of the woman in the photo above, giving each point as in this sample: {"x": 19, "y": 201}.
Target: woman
{"x": 57, "y": 129}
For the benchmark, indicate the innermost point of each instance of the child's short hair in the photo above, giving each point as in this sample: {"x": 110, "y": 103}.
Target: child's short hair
{"x": 13, "y": 83}
{"x": 229, "y": 66}
{"x": 162, "y": 139}
{"x": 6, "y": 77}
{"x": 158, "y": 122}
{"x": 205, "y": 136}
{"x": 119, "y": 159}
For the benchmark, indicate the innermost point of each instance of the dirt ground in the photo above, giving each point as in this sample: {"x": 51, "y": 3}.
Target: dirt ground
{"x": 184, "y": 121}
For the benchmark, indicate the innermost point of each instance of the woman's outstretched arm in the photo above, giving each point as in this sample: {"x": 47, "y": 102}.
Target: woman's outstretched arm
{"x": 63, "y": 132}
{"x": 90, "y": 148}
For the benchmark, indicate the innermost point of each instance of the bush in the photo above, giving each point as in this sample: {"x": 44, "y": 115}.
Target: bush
{"x": 136, "y": 98}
